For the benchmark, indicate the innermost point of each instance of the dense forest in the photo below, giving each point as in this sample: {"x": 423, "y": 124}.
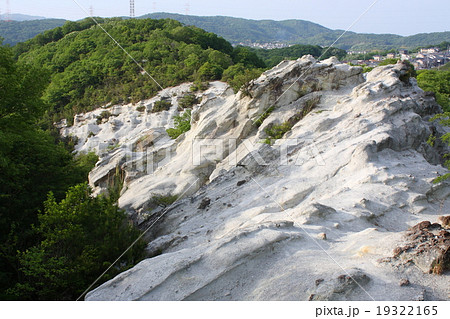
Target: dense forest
{"x": 56, "y": 237}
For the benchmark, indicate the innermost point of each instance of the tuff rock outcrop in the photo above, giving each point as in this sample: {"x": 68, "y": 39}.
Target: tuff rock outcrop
{"x": 306, "y": 218}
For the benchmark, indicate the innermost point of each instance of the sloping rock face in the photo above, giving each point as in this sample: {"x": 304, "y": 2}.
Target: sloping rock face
{"x": 307, "y": 217}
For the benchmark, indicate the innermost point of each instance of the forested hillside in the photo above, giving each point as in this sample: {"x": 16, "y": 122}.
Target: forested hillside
{"x": 88, "y": 69}
{"x": 14, "y": 32}
{"x": 49, "y": 250}
{"x": 237, "y": 30}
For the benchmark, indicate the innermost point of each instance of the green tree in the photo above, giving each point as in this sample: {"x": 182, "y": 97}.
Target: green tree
{"x": 238, "y": 75}
{"x": 210, "y": 72}
{"x": 437, "y": 82}
{"x": 32, "y": 162}
{"x": 182, "y": 124}
{"x": 81, "y": 236}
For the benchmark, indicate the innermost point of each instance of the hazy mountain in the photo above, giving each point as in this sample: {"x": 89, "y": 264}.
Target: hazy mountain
{"x": 19, "y": 31}
{"x": 20, "y": 17}
{"x": 238, "y": 30}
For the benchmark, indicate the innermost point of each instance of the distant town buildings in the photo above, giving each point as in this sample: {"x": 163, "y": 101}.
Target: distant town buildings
{"x": 271, "y": 45}
{"x": 425, "y": 59}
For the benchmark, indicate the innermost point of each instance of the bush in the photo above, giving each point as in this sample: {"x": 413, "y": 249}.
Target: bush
{"x": 259, "y": 121}
{"x": 199, "y": 86}
{"x": 275, "y": 132}
{"x": 210, "y": 72}
{"x": 188, "y": 101}
{"x": 437, "y": 82}
{"x": 162, "y": 105}
{"x": 388, "y": 62}
{"x": 81, "y": 236}
{"x": 238, "y": 75}
{"x": 164, "y": 201}
{"x": 102, "y": 116}
{"x": 141, "y": 108}
{"x": 444, "y": 119}
{"x": 182, "y": 125}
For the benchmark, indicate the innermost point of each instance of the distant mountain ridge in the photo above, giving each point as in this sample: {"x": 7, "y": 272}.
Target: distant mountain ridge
{"x": 14, "y": 32}
{"x": 239, "y": 30}
{"x": 20, "y": 17}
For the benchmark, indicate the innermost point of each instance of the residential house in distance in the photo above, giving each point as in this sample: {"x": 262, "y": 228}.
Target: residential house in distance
{"x": 378, "y": 58}
{"x": 390, "y": 56}
{"x": 429, "y": 50}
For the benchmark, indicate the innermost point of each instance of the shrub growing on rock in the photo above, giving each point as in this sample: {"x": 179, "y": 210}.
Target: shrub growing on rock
{"x": 188, "y": 101}
{"x": 162, "y": 105}
{"x": 182, "y": 125}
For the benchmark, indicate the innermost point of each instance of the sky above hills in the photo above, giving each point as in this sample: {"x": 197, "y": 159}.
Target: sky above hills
{"x": 398, "y": 17}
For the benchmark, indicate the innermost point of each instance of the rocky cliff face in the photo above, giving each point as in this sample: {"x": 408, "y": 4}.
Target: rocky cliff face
{"x": 311, "y": 216}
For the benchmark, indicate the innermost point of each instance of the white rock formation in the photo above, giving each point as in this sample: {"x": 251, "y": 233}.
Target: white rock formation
{"x": 308, "y": 217}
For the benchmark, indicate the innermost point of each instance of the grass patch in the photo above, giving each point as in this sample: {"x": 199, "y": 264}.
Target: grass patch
{"x": 264, "y": 116}
{"x": 182, "y": 125}
{"x": 275, "y": 132}
{"x": 164, "y": 201}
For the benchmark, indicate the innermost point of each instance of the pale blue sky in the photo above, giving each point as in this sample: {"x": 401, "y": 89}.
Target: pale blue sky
{"x": 403, "y": 17}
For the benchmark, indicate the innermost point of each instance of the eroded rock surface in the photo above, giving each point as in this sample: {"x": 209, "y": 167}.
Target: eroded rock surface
{"x": 355, "y": 166}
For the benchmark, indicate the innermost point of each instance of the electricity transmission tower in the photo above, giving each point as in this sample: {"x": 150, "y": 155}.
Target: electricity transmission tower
{"x": 132, "y": 13}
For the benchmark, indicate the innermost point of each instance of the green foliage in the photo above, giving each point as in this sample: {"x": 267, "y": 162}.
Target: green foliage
{"x": 210, "y": 72}
{"x": 238, "y": 75}
{"x": 19, "y": 31}
{"x": 237, "y": 30}
{"x": 247, "y": 57}
{"x": 188, "y": 101}
{"x": 164, "y": 201}
{"x": 182, "y": 125}
{"x": 388, "y": 62}
{"x": 445, "y": 67}
{"x": 162, "y": 105}
{"x": 88, "y": 70}
{"x": 275, "y": 132}
{"x": 81, "y": 236}
{"x": 437, "y": 82}
{"x": 330, "y": 52}
{"x": 141, "y": 108}
{"x": 199, "y": 86}
{"x": 367, "y": 69}
{"x": 32, "y": 162}
{"x": 275, "y": 56}
{"x": 105, "y": 115}
{"x": 259, "y": 121}
{"x": 444, "y": 119}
